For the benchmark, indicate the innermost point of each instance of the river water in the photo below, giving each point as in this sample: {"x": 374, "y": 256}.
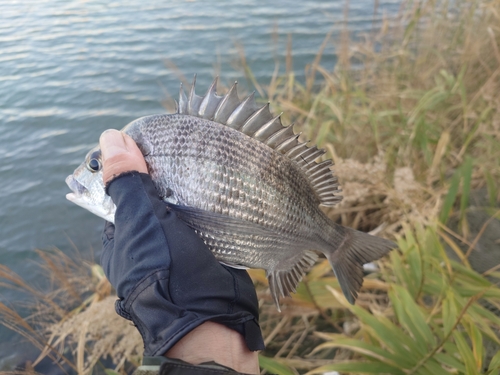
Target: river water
{"x": 70, "y": 69}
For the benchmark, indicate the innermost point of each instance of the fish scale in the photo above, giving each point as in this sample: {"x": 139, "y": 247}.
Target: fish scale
{"x": 201, "y": 189}
{"x": 247, "y": 186}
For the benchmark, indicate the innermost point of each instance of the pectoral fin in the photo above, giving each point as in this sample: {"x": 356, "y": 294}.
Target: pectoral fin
{"x": 201, "y": 220}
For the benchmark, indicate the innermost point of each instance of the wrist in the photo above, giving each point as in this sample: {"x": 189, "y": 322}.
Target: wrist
{"x": 214, "y": 342}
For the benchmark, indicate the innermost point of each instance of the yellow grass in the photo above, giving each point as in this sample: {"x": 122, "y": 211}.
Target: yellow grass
{"x": 413, "y": 128}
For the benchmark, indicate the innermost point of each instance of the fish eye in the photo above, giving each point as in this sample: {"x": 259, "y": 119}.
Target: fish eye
{"x": 94, "y": 161}
{"x": 94, "y": 165}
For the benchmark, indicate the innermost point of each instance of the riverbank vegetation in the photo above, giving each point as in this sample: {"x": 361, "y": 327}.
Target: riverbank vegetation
{"x": 410, "y": 115}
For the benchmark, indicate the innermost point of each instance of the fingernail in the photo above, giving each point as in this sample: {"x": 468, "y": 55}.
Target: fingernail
{"x": 112, "y": 143}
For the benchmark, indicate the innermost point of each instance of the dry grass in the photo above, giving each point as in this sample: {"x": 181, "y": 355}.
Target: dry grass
{"x": 424, "y": 99}
{"x": 410, "y": 116}
{"x": 74, "y": 323}
{"x": 413, "y": 129}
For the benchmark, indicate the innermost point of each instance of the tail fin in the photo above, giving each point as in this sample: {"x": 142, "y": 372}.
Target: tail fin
{"x": 347, "y": 260}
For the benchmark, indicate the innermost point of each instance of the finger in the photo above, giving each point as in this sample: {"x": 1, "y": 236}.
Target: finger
{"x": 120, "y": 154}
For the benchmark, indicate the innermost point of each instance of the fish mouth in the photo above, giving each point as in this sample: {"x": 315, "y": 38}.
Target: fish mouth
{"x": 76, "y": 187}
{"x": 79, "y": 196}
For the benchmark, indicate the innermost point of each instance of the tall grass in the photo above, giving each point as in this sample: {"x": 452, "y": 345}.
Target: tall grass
{"x": 73, "y": 322}
{"x": 411, "y": 117}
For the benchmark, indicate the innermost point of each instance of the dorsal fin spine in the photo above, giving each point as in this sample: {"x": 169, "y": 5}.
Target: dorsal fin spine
{"x": 302, "y": 154}
{"x": 330, "y": 182}
{"x": 313, "y": 153}
{"x": 323, "y": 189}
{"x": 275, "y": 139}
{"x": 210, "y": 102}
{"x": 242, "y": 112}
{"x": 194, "y": 100}
{"x": 288, "y": 143}
{"x": 291, "y": 152}
{"x": 266, "y": 130}
{"x": 183, "y": 102}
{"x": 255, "y": 121}
{"x": 227, "y": 105}
{"x": 259, "y": 123}
{"x": 320, "y": 168}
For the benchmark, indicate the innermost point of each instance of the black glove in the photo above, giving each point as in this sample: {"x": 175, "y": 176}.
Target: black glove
{"x": 167, "y": 280}
{"x": 171, "y": 366}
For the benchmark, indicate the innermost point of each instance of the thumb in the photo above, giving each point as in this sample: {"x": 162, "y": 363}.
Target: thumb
{"x": 120, "y": 154}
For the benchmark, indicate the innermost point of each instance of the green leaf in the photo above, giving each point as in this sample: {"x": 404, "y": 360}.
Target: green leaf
{"x": 476, "y": 340}
{"x": 472, "y": 134}
{"x": 449, "y": 78}
{"x": 483, "y": 316}
{"x": 275, "y": 366}
{"x": 411, "y": 26}
{"x": 398, "y": 266}
{"x": 412, "y": 317}
{"x": 323, "y": 132}
{"x": 434, "y": 368}
{"x": 450, "y": 197}
{"x": 469, "y": 275}
{"x": 111, "y": 372}
{"x": 370, "y": 350}
{"x": 459, "y": 83}
{"x": 450, "y": 312}
{"x": 465, "y": 353}
{"x": 450, "y": 361}
{"x": 492, "y": 189}
{"x": 494, "y": 366}
{"x": 415, "y": 267}
{"x": 359, "y": 367}
{"x": 388, "y": 334}
{"x": 467, "y": 176}
{"x": 409, "y": 238}
{"x": 467, "y": 290}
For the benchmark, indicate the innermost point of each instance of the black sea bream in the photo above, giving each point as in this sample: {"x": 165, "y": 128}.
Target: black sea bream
{"x": 246, "y": 185}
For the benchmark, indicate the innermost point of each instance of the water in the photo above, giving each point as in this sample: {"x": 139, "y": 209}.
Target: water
{"x": 70, "y": 69}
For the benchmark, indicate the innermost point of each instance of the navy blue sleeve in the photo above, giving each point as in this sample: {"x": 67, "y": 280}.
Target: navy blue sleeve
{"x": 167, "y": 280}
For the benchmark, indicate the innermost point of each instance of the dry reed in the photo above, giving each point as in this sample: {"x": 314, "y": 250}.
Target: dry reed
{"x": 410, "y": 116}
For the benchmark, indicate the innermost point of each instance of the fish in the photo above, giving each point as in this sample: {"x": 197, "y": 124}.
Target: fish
{"x": 246, "y": 184}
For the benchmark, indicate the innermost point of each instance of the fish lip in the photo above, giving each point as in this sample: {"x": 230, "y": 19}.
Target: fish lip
{"x": 74, "y": 185}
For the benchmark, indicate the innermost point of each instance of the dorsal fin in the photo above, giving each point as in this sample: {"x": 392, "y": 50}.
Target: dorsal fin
{"x": 210, "y": 102}
{"x": 194, "y": 101}
{"x": 256, "y": 120}
{"x": 242, "y": 112}
{"x": 268, "y": 129}
{"x": 182, "y": 105}
{"x": 259, "y": 123}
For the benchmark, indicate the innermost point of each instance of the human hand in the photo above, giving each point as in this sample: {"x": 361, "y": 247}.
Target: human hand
{"x": 120, "y": 154}
{"x": 169, "y": 283}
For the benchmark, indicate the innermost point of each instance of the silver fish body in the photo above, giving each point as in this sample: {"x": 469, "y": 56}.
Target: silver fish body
{"x": 249, "y": 189}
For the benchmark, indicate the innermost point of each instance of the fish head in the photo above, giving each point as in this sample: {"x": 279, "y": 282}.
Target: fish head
{"x": 88, "y": 189}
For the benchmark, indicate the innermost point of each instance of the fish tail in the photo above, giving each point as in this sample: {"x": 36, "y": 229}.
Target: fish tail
{"x": 356, "y": 248}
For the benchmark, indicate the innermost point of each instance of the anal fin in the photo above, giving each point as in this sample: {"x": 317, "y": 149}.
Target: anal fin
{"x": 282, "y": 282}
